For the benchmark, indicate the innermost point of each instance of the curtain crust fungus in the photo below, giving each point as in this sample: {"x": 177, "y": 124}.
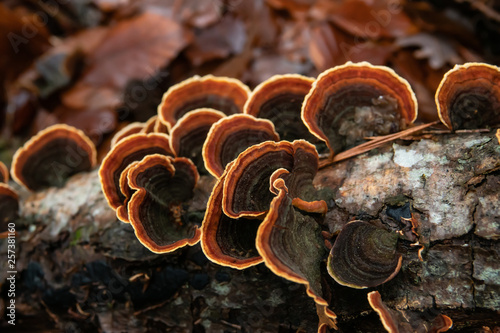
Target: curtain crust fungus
{"x": 279, "y": 99}
{"x": 232, "y": 135}
{"x": 162, "y": 186}
{"x": 189, "y": 133}
{"x": 227, "y": 241}
{"x": 364, "y": 256}
{"x": 128, "y": 150}
{"x": 468, "y": 96}
{"x": 356, "y": 100}
{"x": 288, "y": 242}
{"x": 221, "y": 93}
{"x": 246, "y": 188}
{"x": 396, "y": 322}
{"x": 132, "y": 128}
{"x": 4, "y": 173}
{"x": 51, "y": 156}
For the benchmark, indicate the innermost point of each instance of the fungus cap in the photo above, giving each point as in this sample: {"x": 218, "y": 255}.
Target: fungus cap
{"x": 230, "y": 136}
{"x": 290, "y": 244}
{"x": 162, "y": 186}
{"x": 221, "y": 93}
{"x": 364, "y": 256}
{"x": 356, "y": 100}
{"x": 246, "y": 188}
{"x": 468, "y": 96}
{"x": 227, "y": 241}
{"x": 130, "y": 149}
{"x": 280, "y": 99}
{"x": 51, "y": 156}
{"x": 128, "y": 130}
{"x": 190, "y": 132}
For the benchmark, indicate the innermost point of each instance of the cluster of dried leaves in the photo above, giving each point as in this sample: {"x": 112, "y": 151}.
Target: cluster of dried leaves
{"x": 96, "y": 64}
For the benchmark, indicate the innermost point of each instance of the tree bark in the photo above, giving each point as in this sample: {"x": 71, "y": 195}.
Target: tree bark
{"x": 79, "y": 269}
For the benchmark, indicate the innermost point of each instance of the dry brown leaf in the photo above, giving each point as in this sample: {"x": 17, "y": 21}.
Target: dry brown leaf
{"x": 366, "y": 18}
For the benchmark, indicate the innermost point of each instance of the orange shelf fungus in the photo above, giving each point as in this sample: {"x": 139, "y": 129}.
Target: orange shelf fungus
{"x": 132, "y": 128}
{"x": 396, "y": 322}
{"x": 9, "y": 206}
{"x": 226, "y": 241}
{"x": 288, "y": 242}
{"x": 163, "y": 185}
{"x": 128, "y": 150}
{"x": 53, "y": 155}
{"x": 364, "y": 256}
{"x": 279, "y": 99}
{"x": 122, "y": 210}
{"x": 468, "y": 97}
{"x": 189, "y": 134}
{"x": 246, "y": 188}
{"x": 350, "y": 102}
{"x": 149, "y": 125}
{"x": 498, "y": 135}
{"x": 4, "y": 173}
{"x": 232, "y": 135}
{"x": 221, "y": 93}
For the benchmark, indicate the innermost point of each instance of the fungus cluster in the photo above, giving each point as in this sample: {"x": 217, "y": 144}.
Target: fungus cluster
{"x": 261, "y": 147}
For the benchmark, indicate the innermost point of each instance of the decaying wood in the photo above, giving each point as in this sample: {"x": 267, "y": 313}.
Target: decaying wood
{"x": 79, "y": 269}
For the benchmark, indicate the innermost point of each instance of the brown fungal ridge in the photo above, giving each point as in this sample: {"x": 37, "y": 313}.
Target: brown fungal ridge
{"x": 51, "y": 156}
{"x": 287, "y": 241}
{"x": 4, "y": 173}
{"x": 122, "y": 210}
{"x": 188, "y": 135}
{"x": 279, "y": 99}
{"x": 162, "y": 185}
{"x": 246, "y": 188}
{"x": 132, "y": 128}
{"x": 468, "y": 96}
{"x": 130, "y": 149}
{"x": 345, "y": 98}
{"x": 364, "y": 256}
{"x": 221, "y": 235}
{"x": 396, "y": 322}
{"x": 221, "y": 93}
{"x": 230, "y": 136}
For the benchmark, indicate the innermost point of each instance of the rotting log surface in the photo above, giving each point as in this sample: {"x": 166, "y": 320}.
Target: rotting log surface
{"x": 75, "y": 261}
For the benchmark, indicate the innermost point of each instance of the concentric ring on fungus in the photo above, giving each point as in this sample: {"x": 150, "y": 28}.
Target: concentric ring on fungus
{"x": 51, "y": 156}
{"x": 221, "y": 93}
{"x": 356, "y": 100}
{"x": 468, "y": 96}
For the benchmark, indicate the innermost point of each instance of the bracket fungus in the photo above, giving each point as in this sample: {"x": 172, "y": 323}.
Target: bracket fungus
{"x": 128, "y": 150}
{"x": 356, "y": 100}
{"x": 364, "y": 256}
{"x": 396, "y": 322}
{"x": 227, "y": 241}
{"x": 232, "y": 135}
{"x": 288, "y": 240}
{"x": 162, "y": 186}
{"x": 246, "y": 188}
{"x": 279, "y": 99}
{"x": 4, "y": 173}
{"x": 189, "y": 133}
{"x": 221, "y": 93}
{"x": 128, "y": 130}
{"x": 51, "y": 156}
{"x": 468, "y": 96}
